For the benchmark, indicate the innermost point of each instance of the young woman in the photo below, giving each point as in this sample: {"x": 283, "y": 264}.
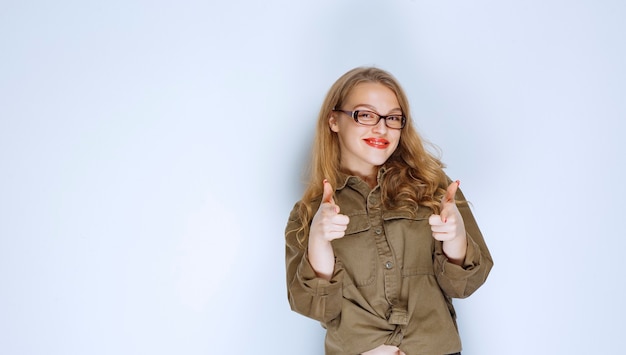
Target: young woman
{"x": 382, "y": 239}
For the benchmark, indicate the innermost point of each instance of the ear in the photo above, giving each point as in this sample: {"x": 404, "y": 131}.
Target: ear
{"x": 332, "y": 122}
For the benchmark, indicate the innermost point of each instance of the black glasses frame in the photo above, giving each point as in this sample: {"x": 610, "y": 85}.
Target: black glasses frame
{"x": 355, "y": 115}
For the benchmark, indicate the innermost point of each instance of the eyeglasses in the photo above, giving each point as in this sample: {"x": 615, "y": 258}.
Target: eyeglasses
{"x": 369, "y": 118}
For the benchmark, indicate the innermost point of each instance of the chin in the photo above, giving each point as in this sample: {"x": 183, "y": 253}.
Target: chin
{"x": 379, "y": 162}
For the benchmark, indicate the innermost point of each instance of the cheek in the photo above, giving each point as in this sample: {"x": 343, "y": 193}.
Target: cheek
{"x": 349, "y": 131}
{"x": 396, "y": 139}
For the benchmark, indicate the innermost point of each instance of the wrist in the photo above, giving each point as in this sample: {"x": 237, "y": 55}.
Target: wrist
{"x": 322, "y": 257}
{"x": 456, "y": 249}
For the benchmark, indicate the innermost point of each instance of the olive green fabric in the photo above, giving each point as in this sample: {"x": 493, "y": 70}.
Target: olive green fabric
{"x": 392, "y": 284}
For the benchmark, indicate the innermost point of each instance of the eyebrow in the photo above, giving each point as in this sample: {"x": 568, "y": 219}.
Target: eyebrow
{"x": 372, "y": 108}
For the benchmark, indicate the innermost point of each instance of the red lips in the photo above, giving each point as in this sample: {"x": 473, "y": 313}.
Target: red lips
{"x": 379, "y": 143}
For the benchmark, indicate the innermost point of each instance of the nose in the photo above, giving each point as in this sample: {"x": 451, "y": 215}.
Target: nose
{"x": 380, "y": 127}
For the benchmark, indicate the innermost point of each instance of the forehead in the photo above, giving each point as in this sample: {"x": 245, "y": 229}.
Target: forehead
{"x": 376, "y": 95}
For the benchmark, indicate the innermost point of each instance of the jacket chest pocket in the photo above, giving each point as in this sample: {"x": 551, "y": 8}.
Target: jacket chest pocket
{"x": 410, "y": 236}
{"x": 357, "y": 251}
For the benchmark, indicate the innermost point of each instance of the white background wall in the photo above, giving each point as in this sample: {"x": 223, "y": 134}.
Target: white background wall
{"x": 151, "y": 151}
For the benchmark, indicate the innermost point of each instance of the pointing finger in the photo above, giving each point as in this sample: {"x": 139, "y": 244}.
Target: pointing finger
{"x": 450, "y": 192}
{"x": 327, "y": 196}
{"x": 448, "y": 198}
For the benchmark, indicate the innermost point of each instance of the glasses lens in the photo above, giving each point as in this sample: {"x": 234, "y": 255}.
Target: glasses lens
{"x": 394, "y": 121}
{"x": 366, "y": 117}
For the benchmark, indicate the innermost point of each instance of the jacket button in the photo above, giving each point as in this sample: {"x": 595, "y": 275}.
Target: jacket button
{"x": 378, "y": 231}
{"x": 388, "y": 264}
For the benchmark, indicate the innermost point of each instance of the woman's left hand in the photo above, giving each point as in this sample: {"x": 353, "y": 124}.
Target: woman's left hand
{"x": 448, "y": 226}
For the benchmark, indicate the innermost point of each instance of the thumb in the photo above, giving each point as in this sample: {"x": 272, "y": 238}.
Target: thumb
{"x": 448, "y": 198}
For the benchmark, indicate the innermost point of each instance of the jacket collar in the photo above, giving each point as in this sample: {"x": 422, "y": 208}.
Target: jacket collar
{"x": 352, "y": 180}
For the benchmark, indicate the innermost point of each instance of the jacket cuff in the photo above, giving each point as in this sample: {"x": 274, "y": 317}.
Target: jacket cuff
{"x": 471, "y": 261}
{"x": 460, "y": 281}
{"x": 315, "y": 285}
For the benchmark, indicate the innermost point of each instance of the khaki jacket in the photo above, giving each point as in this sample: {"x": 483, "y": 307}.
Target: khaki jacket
{"x": 392, "y": 283}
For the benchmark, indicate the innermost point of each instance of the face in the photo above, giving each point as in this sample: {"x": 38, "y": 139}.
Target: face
{"x": 364, "y": 148}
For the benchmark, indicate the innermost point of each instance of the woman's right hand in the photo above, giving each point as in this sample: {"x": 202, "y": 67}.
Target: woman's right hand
{"x": 385, "y": 350}
{"x": 327, "y": 225}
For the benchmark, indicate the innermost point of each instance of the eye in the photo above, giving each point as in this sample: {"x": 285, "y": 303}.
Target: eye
{"x": 366, "y": 115}
{"x": 397, "y": 118}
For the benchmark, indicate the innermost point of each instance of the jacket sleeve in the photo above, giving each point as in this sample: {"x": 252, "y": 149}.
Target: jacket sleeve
{"x": 309, "y": 295}
{"x": 461, "y": 281}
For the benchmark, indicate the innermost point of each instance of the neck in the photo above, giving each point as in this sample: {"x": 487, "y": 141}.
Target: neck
{"x": 371, "y": 179}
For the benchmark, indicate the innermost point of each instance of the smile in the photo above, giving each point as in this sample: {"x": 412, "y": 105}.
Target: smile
{"x": 377, "y": 142}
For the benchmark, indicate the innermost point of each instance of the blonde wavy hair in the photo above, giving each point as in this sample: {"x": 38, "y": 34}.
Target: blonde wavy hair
{"x": 414, "y": 175}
